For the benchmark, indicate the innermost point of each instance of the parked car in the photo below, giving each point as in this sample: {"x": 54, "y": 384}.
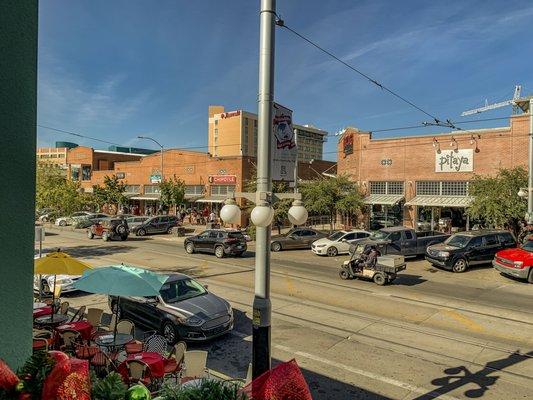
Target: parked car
{"x": 48, "y": 216}
{"x": 464, "y": 249}
{"x": 110, "y": 229}
{"x": 47, "y": 283}
{"x": 217, "y": 241}
{"x": 89, "y": 220}
{"x": 517, "y": 262}
{"x": 183, "y": 310}
{"x": 404, "y": 241}
{"x": 64, "y": 221}
{"x": 337, "y": 243}
{"x": 135, "y": 221}
{"x": 297, "y": 238}
{"x": 158, "y": 224}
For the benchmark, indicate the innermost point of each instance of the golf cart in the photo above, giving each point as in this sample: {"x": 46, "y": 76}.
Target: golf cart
{"x": 384, "y": 271}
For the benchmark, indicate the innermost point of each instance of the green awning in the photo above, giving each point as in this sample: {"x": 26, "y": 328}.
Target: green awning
{"x": 440, "y": 201}
{"x": 384, "y": 199}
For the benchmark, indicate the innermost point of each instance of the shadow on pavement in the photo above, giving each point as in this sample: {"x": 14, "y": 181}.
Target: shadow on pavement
{"x": 408, "y": 280}
{"x": 93, "y": 251}
{"x": 461, "y": 376}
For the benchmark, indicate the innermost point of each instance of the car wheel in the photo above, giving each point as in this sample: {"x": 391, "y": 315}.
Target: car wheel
{"x": 121, "y": 229}
{"x": 170, "y": 230}
{"x": 219, "y": 252}
{"x": 460, "y": 265}
{"x": 530, "y": 276}
{"x": 90, "y": 235}
{"x": 169, "y": 333}
{"x": 44, "y": 219}
{"x": 189, "y": 248}
{"x": 105, "y": 236}
{"x": 379, "y": 278}
{"x": 332, "y": 251}
{"x": 62, "y": 223}
{"x": 141, "y": 232}
{"x": 276, "y": 246}
{"x": 344, "y": 274}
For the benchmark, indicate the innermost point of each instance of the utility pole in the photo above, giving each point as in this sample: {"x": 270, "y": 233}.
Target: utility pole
{"x": 530, "y": 176}
{"x": 262, "y": 307}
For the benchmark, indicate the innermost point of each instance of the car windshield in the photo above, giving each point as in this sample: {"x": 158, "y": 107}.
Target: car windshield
{"x": 336, "y": 236}
{"x": 379, "y": 235}
{"x": 457, "y": 241}
{"x": 528, "y": 246}
{"x": 235, "y": 235}
{"x": 180, "y": 290}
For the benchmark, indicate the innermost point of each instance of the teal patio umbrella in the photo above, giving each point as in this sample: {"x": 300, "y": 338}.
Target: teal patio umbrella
{"x": 121, "y": 280}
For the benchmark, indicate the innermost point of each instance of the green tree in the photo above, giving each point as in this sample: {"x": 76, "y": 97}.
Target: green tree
{"x": 111, "y": 193}
{"x": 172, "y": 192}
{"x": 496, "y": 200}
{"x": 331, "y": 196}
{"x": 54, "y": 190}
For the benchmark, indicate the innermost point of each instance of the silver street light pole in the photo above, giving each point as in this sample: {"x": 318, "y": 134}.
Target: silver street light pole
{"x": 261, "y": 305}
{"x": 160, "y": 145}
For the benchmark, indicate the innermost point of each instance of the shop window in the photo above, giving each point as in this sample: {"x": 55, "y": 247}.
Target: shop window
{"x": 386, "y": 187}
{"x": 222, "y": 190}
{"x": 133, "y": 189}
{"x": 75, "y": 173}
{"x": 193, "y": 190}
{"x": 151, "y": 189}
{"x": 442, "y": 188}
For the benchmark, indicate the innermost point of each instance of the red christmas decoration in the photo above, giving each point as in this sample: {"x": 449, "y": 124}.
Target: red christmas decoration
{"x": 69, "y": 380}
{"x": 283, "y": 382}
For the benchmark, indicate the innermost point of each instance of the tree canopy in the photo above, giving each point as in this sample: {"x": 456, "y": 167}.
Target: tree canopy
{"x": 172, "y": 192}
{"x": 111, "y": 193}
{"x": 54, "y": 190}
{"x": 496, "y": 200}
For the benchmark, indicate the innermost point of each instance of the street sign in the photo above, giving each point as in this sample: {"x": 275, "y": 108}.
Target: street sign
{"x": 155, "y": 178}
{"x": 39, "y": 234}
{"x": 284, "y": 150}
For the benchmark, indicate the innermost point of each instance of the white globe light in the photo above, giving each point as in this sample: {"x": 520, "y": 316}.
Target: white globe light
{"x": 297, "y": 213}
{"x": 262, "y": 216}
{"x": 231, "y": 213}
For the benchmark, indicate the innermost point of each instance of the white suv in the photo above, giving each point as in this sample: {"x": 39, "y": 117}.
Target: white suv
{"x": 337, "y": 243}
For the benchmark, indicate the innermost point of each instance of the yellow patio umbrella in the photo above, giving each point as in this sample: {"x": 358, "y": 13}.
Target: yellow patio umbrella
{"x": 59, "y": 263}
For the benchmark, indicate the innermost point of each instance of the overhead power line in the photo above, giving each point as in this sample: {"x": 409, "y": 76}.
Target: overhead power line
{"x": 282, "y": 24}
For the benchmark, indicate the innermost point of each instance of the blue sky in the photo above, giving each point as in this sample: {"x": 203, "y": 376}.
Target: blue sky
{"x": 118, "y": 69}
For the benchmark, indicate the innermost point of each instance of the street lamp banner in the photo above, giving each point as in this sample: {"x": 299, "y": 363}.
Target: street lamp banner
{"x": 454, "y": 161}
{"x": 284, "y": 150}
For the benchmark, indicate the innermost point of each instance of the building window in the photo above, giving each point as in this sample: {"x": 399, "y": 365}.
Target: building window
{"x": 151, "y": 189}
{"x": 133, "y": 189}
{"x": 386, "y": 187}
{"x": 194, "y": 190}
{"x": 246, "y": 122}
{"x": 216, "y": 122}
{"x": 222, "y": 190}
{"x": 75, "y": 173}
{"x": 216, "y": 133}
{"x": 255, "y": 123}
{"x": 440, "y": 188}
{"x": 86, "y": 173}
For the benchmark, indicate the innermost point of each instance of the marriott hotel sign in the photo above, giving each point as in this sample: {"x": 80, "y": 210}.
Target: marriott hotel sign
{"x": 455, "y": 161}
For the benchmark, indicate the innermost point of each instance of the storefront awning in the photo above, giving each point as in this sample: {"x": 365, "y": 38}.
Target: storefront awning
{"x": 385, "y": 199}
{"x": 440, "y": 201}
{"x": 211, "y": 200}
{"x": 149, "y": 197}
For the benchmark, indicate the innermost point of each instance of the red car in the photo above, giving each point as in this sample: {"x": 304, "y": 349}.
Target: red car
{"x": 516, "y": 262}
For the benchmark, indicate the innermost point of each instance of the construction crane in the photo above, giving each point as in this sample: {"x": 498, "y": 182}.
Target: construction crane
{"x": 487, "y": 106}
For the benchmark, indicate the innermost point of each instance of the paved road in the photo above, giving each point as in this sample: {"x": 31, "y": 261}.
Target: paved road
{"x": 430, "y": 334}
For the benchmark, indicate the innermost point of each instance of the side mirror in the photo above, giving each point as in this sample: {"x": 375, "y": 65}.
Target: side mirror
{"x": 206, "y": 287}
{"x": 152, "y": 300}
{"x": 344, "y": 241}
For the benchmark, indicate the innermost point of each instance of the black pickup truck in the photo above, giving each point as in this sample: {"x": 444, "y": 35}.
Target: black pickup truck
{"x": 402, "y": 240}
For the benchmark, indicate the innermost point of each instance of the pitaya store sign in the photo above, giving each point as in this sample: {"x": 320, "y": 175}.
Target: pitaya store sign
{"x": 455, "y": 161}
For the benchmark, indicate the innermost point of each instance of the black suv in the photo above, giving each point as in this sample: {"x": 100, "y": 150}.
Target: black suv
{"x": 217, "y": 241}
{"x": 463, "y": 249}
{"x": 159, "y": 224}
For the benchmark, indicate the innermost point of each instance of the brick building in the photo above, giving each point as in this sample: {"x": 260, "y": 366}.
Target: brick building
{"x": 234, "y": 133}
{"x": 415, "y": 180}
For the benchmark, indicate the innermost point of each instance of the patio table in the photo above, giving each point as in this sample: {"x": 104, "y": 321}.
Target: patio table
{"x": 42, "y": 311}
{"x": 39, "y": 305}
{"x": 47, "y": 320}
{"x": 155, "y": 361}
{"x": 112, "y": 343}
{"x": 83, "y": 327}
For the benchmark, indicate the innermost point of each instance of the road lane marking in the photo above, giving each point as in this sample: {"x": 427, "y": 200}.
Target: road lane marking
{"x": 463, "y": 320}
{"x": 367, "y": 374}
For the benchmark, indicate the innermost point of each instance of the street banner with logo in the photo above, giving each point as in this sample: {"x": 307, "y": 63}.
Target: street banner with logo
{"x": 284, "y": 150}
